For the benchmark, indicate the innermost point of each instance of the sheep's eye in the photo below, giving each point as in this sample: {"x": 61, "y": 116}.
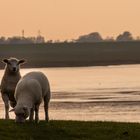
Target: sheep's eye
{"x": 19, "y": 114}
{"x": 22, "y": 115}
{"x": 9, "y": 63}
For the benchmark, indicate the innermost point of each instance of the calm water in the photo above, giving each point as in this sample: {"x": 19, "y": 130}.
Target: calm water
{"x": 109, "y": 93}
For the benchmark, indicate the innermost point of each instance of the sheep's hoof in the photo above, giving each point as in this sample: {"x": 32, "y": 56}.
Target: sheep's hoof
{"x": 7, "y": 117}
{"x": 31, "y": 120}
{"x": 36, "y": 121}
{"x": 47, "y": 119}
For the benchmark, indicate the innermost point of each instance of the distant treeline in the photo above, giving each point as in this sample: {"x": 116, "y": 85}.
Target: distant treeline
{"x": 92, "y": 37}
{"x": 96, "y": 37}
{"x": 22, "y": 40}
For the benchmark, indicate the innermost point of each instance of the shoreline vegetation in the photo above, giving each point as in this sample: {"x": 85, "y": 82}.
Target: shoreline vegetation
{"x": 73, "y": 54}
{"x": 70, "y": 130}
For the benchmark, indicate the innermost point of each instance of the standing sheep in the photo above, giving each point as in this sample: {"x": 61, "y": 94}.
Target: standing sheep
{"x": 9, "y": 81}
{"x": 30, "y": 90}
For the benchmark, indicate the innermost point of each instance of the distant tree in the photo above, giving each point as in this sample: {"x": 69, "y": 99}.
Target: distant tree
{"x": 31, "y": 39}
{"x": 57, "y": 41}
{"x": 21, "y": 40}
{"x": 73, "y": 41}
{"x": 126, "y": 36}
{"x": 138, "y": 38}
{"x": 14, "y": 40}
{"x": 109, "y": 39}
{"x": 66, "y": 41}
{"x": 2, "y": 40}
{"x": 50, "y": 41}
{"x": 92, "y": 37}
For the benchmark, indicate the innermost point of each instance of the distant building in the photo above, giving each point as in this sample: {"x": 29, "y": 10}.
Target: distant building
{"x": 40, "y": 39}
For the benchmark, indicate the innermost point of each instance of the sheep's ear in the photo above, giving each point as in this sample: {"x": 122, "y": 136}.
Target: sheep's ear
{"x": 12, "y": 110}
{"x": 22, "y": 61}
{"x": 5, "y": 61}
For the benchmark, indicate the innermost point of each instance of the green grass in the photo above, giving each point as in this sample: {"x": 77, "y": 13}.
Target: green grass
{"x": 73, "y": 54}
{"x": 69, "y": 130}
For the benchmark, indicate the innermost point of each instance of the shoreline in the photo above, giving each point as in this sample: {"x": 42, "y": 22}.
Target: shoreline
{"x": 61, "y": 65}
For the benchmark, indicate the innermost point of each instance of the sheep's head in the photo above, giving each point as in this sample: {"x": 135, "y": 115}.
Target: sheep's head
{"x": 22, "y": 113}
{"x": 13, "y": 64}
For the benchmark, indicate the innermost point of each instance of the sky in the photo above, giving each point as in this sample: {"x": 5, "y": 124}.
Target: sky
{"x": 68, "y": 19}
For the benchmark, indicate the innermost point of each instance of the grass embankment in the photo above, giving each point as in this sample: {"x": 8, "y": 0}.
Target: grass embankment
{"x": 74, "y": 54}
{"x": 69, "y": 130}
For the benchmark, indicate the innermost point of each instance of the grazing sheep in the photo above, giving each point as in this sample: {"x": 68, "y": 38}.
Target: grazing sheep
{"x": 30, "y": 90}
{"x": 9, "y": 81}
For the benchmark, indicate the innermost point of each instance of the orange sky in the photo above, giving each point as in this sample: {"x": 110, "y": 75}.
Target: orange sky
{"x": 67, "y": 19}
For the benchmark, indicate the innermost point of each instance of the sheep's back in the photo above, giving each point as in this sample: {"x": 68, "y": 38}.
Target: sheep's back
{"x": 28, "y": 89}
{"x": 41, "y": 78}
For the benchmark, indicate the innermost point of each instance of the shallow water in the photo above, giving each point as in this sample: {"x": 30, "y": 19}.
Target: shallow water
{"x": 108, "y": 93}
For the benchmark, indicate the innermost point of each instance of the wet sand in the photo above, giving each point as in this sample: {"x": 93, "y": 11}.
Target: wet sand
{"x": 92, "y": 93}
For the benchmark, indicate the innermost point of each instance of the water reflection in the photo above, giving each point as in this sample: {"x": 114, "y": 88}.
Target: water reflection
{"x": 92, "y": 93}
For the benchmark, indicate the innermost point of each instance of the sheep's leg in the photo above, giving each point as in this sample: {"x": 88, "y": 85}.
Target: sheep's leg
{"x": 31, "y": 117}
{"x": 46, "y": 106}
{"x": 37, "y": 113}
{"x": 6, "y": 103}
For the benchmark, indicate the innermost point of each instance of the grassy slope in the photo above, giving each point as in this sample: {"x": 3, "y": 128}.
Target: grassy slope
{"x": 69, "y": 130}
{"x": 74, "y": 54}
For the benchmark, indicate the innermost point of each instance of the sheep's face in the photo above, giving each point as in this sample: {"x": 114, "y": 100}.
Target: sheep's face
{"x": 22, "y": 114}
{"x": 13, "y": 64}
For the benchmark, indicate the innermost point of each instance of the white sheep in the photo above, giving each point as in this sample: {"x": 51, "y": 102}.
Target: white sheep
{"x": 9, "y": 81}
{"x": 30, "y": 90}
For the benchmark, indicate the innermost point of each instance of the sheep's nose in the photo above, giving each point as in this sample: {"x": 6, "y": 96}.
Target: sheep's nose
{"x": 14, "y": 68}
